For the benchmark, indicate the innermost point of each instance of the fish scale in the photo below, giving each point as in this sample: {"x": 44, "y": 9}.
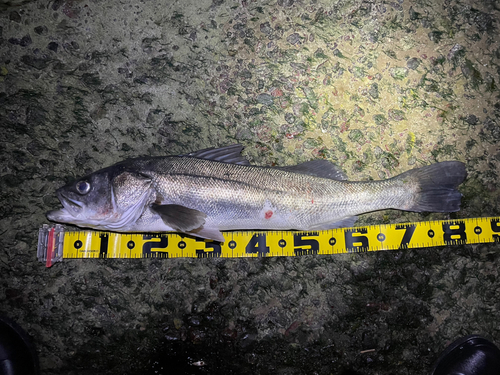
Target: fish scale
{"x": 228, "y": 192}
{"x": 208, "y": 191}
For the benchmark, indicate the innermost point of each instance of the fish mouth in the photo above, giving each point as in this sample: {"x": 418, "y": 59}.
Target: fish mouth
{"x": 72, "y": 209}
{"x": 60, "y": 216}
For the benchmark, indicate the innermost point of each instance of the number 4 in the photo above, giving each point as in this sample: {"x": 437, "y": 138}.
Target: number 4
{"x": 257, "y": 245}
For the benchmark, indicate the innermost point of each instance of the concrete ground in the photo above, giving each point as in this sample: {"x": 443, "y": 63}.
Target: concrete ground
{"x": 375, "y": 87}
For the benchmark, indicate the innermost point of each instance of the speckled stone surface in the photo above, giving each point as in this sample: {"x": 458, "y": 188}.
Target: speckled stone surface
{"x": 377, "y": 88}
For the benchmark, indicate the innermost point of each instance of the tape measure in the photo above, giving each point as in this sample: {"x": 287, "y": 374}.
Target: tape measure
{"x": 56, "y": 242}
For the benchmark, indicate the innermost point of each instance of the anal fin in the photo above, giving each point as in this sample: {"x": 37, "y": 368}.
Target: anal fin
{"x": 344, "y": 223}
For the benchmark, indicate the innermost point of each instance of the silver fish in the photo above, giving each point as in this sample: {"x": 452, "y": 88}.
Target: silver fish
{"x": 207, "y": 191}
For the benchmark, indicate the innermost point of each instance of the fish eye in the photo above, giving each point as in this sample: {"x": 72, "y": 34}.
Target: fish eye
{"x": 82, "y": 187}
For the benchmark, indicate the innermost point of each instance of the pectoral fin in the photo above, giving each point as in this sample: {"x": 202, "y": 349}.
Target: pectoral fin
{"x": 180, "y": 218}
{"x": 208, "y": 233}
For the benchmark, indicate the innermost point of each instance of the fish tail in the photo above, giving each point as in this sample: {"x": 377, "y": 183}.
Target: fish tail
{"x": 437, "y": 186}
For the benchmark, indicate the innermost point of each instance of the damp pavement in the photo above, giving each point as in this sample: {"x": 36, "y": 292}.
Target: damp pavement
{"x": 377, "y": 88}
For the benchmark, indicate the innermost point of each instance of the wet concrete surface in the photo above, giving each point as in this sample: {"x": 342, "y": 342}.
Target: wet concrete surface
{"x": 375, "y": 88}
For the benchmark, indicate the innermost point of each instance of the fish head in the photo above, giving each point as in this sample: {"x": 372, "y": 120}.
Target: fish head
{"x": 109, "y": 199}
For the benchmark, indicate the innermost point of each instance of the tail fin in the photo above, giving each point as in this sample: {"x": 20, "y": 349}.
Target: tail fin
{"x": 437, "y": 186}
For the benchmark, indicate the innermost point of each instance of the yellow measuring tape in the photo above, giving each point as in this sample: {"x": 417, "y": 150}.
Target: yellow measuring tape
{"x": 56, "y": 242}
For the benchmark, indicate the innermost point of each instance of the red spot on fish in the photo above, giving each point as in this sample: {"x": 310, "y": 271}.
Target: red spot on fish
{"x": 268, "y": 214}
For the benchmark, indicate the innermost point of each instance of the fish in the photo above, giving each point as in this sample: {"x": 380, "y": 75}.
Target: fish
{"x": 208, "y": 191}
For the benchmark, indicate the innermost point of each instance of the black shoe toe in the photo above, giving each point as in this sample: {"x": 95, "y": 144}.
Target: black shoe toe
{"x": 470, "y": 355}
{"x": 17, "y": 354}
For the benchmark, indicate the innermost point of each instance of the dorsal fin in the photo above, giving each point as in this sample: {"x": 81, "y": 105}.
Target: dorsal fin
{"x": 228, "y": 154}
{"x": 317, "y": 168}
